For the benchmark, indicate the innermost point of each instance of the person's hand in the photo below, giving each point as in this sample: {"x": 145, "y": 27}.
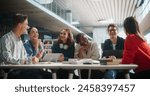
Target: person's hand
{"x": 35, "y": 42}
{"x": 40, "y": 54}
{"x": 112, "y": 57}
{"x": 35, "y": 60}
{"x": 61, "y": 58}
{"x": 81, "y": 50}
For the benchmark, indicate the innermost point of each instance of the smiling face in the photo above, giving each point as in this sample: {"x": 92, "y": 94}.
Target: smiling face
{"x": 83, "y": 40}
{"x": 33, "y": 34}
{"x": 112, "y": 31}
{"x": 23, "y": 26}
{"x": 63, "y": 36}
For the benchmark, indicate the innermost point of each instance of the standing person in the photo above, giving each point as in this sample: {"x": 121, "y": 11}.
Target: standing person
{"x": 64, "y": 45}
{"x": 87, "y": 49}
{"x": 114, "y": 43}
{"x": 137, "y": 50}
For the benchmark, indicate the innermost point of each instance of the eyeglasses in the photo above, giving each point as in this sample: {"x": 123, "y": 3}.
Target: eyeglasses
{"x": 112, "y": 29}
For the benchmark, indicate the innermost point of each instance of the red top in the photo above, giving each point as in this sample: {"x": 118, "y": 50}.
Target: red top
{"x": 137, "y": 52}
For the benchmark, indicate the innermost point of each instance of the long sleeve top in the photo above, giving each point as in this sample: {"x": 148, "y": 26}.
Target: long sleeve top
{"x": 68, "y": 53}
{"x": 108, "y": 47}
{"x": 136, "y": 51}
{"x": 93, "y": 51}
{"x": 12, "y": 49}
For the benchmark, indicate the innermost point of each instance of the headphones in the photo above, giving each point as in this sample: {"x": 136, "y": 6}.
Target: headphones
{"x": 63, "y": 46}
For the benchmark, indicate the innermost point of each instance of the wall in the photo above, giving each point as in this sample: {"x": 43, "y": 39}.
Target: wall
{"x": 147, "y": 37}
{"x": 100, "y": 34}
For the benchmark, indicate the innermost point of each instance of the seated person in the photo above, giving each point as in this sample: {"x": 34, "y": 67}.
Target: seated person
{"x": 112, "y": 48}
{"x": 87, "y": 49}
{"x": 34, "y": 45}
{"x": 13, "y": 52}
{"x": 137, "y": 50}
{"x": 35, "y": 50}
{"x": 64, "y": 45}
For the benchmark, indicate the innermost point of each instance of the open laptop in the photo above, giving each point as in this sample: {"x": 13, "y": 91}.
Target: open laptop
{"x": 116, "y": 53}
{"x": 53, "y": 57}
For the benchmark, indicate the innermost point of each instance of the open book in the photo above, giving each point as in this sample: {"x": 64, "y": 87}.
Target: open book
{"x": 89, "y": 61}
{"x": 81, "y": 61}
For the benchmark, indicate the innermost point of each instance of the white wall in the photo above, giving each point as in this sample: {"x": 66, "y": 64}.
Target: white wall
{"x": 147, "y": 37}
{"x": 100, "y": 34}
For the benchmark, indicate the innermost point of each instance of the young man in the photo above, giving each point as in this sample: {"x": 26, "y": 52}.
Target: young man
{"x": 113, "y": 48}
{"x": 12, "y": 50}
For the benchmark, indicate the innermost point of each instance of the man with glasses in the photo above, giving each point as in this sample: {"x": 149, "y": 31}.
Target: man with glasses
{"x": 111, "y": 46}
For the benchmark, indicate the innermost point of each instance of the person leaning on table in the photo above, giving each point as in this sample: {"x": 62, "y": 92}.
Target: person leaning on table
{"x": 12, "y": 50}
{"x": 136, "y": 49}
{"x": 87, "y": 49}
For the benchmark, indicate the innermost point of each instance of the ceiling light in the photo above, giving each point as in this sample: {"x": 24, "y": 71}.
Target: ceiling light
{"x": 106, "y": 21}
{"x": 44, "y": 1}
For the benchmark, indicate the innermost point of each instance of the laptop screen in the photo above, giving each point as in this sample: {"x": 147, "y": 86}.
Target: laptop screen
{"x": 116, "y": 53}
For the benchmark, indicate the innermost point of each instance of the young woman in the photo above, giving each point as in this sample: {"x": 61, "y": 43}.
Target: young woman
{"x": 34, "y": 46}
{"x": 64, "y": 45}
{"x": 35, "y": 52}
{"x": 136, "y": 49}
{"x": 87, "y": 49}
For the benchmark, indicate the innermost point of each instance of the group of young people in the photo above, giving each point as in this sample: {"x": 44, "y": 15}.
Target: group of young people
{"x": 14, "y": 51}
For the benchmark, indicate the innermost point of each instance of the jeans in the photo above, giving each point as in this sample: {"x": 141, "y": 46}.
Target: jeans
{"x": 110, "y": 74}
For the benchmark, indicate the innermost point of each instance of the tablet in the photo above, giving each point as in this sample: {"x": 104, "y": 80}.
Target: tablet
{"x": 53, "y": 57}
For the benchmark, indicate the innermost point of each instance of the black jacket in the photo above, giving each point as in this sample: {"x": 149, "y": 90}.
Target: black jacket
{"x": 108, "y": 45}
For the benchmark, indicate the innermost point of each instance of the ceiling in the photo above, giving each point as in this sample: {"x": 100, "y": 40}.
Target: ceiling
{"x": 90, "y": 13}
{"x": 37, "y": 17}
{"x": 96, "y": 13}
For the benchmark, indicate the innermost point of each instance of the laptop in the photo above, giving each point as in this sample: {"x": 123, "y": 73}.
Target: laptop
{"x": 116, "y": 53}
{"x": 53, "y": 57}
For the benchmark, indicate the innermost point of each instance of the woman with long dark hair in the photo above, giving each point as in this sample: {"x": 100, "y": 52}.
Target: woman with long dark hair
{"x": 136, "y": 49}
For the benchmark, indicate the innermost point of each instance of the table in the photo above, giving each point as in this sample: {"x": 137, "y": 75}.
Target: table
{"x": 59, "y": 65}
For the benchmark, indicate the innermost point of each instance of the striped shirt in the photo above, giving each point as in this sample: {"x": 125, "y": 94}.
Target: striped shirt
{"x": 12, "y": 49}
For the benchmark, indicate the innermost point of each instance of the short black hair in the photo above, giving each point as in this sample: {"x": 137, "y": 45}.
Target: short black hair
{"x": 19, "y": 18}
{"x": 78, "y": 37}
